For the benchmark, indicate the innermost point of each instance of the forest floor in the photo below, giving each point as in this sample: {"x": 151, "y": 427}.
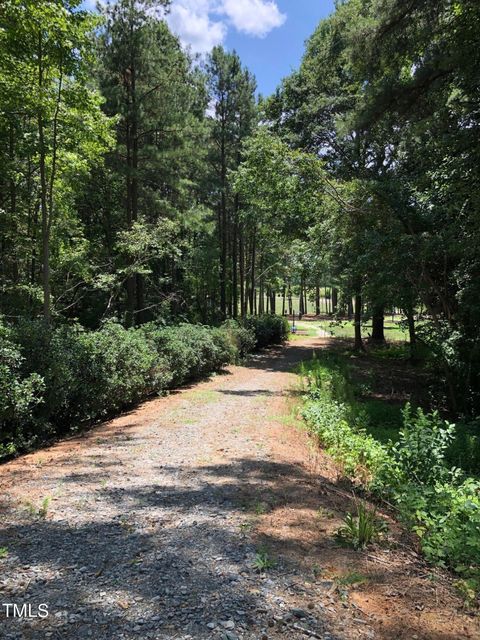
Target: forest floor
{"x": 150, "y": 526}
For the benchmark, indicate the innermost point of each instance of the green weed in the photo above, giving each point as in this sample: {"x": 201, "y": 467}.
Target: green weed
{"x": 263, "y": 562}
{"x": 362, "y": 528}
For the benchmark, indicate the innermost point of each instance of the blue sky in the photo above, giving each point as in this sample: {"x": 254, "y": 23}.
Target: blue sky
{"x": 269, "y": 35}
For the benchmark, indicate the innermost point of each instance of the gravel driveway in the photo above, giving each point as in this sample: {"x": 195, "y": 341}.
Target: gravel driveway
{"x": 149, "y": 525}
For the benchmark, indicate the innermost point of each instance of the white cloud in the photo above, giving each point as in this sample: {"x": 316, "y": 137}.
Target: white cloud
{"x": 191, "y": 20}
{"x": 255, "y": 17}
{"x": 202, "y": 24}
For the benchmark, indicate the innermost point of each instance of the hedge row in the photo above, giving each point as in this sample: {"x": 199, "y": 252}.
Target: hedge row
{"x": 54, "y": 380}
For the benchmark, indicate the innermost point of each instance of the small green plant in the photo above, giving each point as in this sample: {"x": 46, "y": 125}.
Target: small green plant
{"x": 263, "y": 562}
{"x": 259, "y": 508}
{"x": 467, "y": 590}
{"x": 351, "y": 578}
{"x": 246, "y": 527}
{"x": 323, "y": 514}
{"x": 362, "y": 528}
{"x": 3, "y": 552}
{"x": 42, "y": 512}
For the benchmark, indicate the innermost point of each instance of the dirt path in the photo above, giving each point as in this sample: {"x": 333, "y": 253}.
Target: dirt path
{"x": 156, "y": 519}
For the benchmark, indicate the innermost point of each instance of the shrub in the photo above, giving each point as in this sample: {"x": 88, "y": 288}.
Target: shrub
{"x": 189, "y": 351}
{"x": 54, "y": 379}
{"x": 19, "y": 394}
{"x": 242, "y": 339}
{"x": 440, "y": 507}
{"x": 86, "y": 374}
{"x": 419, "y": 454}
{"x": 268, "y": 329}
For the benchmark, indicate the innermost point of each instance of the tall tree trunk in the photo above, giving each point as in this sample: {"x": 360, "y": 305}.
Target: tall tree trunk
{"x": 284, "y": 293}
{"x": 273, "y": 302}
{"x": 334, "y": 300}
{"x": 223, "y": 225}
{"x": 261, "y": 293}
{"x": 358, "y": 346}
{"x": 349, "y": 308}
{"x": 43, "y": 194}
{"x": 317, "y": 299}
{"x": 412, "y": 333}
{"x": 253, "y": 294}
{"x": 378, "y": 325}
{"x": 301, "y": 299}
{"x": 243, "y": 307}
{"x": 139, "y": 279}
{"x": 235, "y": 261}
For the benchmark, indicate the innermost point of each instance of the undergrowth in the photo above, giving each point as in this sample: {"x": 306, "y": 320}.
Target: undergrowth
{"x": 438, "y": 501}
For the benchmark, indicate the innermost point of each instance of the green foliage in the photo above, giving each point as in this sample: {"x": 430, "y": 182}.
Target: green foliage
{"x": 420, "y": 452}
{"x": 464, "y": 451}
{"x": 86, "y": 374}
{"x": 53, "y": 380}
{"x": 190, "y": 351}
{"x": 242, "y": 339}
{"x": 439, "y": 505}
{"x": 362, "y": 528}
{"x": 19, "y": 393}
{"x": 263, "y": 561}
{"x": 268, "y": 329}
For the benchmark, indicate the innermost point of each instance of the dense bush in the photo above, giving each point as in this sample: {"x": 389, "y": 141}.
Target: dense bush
{"x": 18, "y": 394}
{"x": 54, "y": 379}
{"x": 441, "y": 506}
{"x": 189, "y": 351}
{"x": 268, "y": 329}
{"x": 242, "y": 340}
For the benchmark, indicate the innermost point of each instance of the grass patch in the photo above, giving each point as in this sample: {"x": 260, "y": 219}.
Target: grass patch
{"x": 202, "y": 396}
{"x": 394, "y": 332}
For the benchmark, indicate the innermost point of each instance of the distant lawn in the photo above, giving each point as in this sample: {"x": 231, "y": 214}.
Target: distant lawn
{"x": 393, "y": 332}
{"x": 346, "y": 329}
{"x": 306, "y": 329}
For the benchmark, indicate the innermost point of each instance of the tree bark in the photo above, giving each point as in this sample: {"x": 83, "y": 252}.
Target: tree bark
{"x": 273, "y": 302}
{"x": 378, "y": 325}
{"x": 349, "y": 308}
{"x": 43, "y": 195}
{"x": 243, "y": 308}
{"x": 234, "y": 262}
{"x": 358, "y": 346}
{"x": 412, "y": 333}
{"x": 252, "y": 277}
{"x": 334, "y": 300}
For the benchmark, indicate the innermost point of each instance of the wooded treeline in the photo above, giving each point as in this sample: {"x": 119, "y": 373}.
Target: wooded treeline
{"x": 383, "y": 118}
{"x": 138, "y": 183}
{"x": 117, "y": 151}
